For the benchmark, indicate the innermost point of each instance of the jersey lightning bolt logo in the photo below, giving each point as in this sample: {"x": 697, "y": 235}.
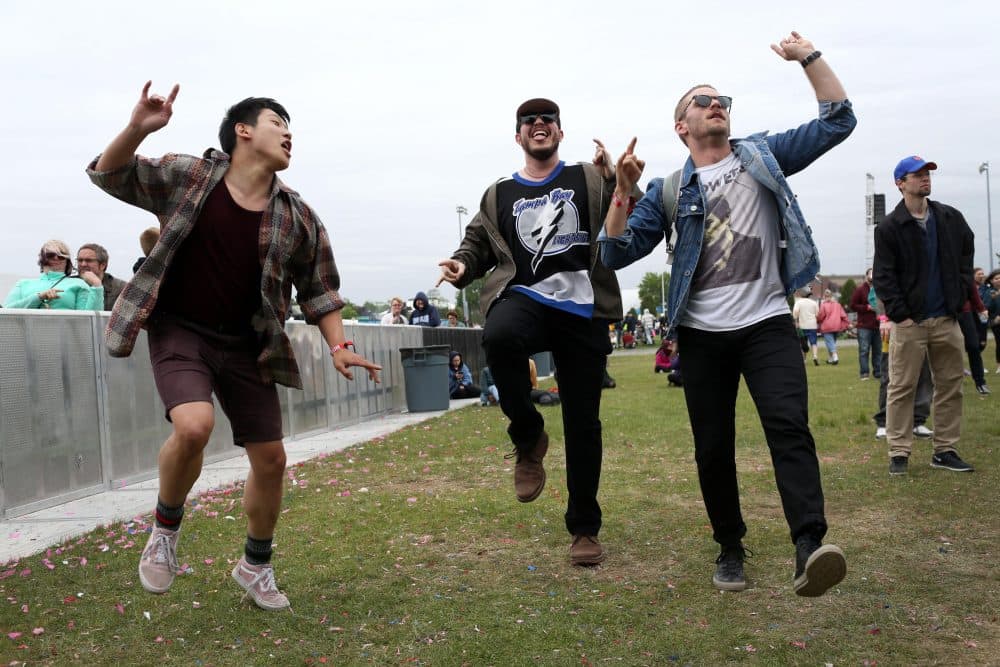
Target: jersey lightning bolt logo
{"x": 545, "y": 228}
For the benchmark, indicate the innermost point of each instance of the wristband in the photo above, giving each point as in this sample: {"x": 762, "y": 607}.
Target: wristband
{"x": 618, "y": 202}
{"x": 341, "y": 346}
{"x": 810, "y": 58}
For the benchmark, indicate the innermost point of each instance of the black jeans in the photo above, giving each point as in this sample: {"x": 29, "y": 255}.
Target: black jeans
{"x": 921, "y": 399}
{"x": 967, "y": 321}
{"x": 767, "y": 355}
{"x": 517, "y": 327}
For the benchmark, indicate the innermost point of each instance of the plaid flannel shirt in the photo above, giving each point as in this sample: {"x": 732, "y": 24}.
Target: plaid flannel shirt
{"x": 294, "y": 250}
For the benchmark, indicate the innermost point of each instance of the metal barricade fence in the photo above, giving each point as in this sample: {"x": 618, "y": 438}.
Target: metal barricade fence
{"x": 75, "y": 421}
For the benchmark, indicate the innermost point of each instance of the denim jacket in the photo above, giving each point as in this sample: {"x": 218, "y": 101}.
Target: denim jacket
{"x": 768, "y": 159}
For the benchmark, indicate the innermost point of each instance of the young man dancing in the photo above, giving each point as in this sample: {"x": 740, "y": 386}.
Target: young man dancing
{"x": 214, "y": 294}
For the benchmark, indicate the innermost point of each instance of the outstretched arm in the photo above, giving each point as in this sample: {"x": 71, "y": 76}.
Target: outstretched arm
{"x": 826, "y": 84}
{"x": 149, "y": 115}
{"x": 331, "y": 326}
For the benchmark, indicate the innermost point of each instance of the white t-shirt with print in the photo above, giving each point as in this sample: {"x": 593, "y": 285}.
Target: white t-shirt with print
{"x": 737, "y": 282}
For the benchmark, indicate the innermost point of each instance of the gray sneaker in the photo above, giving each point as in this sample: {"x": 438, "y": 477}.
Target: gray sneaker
{"x": 818, "y": 568}
{"x": 158, "y": 563}
{"x": 729, "y": 569}
{"x": 258, "y": 582}
{"x": 922, "y": 431}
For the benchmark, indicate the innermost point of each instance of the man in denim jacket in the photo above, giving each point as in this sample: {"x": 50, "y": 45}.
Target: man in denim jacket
{"x": 741, "y": 247}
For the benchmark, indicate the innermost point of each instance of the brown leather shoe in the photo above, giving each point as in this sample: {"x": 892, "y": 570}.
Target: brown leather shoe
{"x": 586, "y": 550}
{"x": 529, "y": 474}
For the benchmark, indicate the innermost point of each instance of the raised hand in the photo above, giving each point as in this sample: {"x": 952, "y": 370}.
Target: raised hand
{"x": 451, "y": 271}
{"x": 794, "y": 47}
{"x": 629, "y": 169}
{"x": 90, "y": 278}
{"x": 602, "y": 159}
{"x": 153, "y": 112}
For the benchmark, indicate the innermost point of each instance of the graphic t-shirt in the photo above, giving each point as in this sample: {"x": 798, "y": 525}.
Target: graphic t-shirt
{"x": 737, "y": 282}
{"x": 547, "y": 227}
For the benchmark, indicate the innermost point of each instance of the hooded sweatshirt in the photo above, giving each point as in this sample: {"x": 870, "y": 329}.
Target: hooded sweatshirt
{"x": 426, "y": 316}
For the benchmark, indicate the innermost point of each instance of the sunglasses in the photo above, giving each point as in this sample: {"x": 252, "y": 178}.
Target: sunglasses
{"x": 530, "y": 118}
{"x": 49, "y": 256}
{"x": 705, "y": 101}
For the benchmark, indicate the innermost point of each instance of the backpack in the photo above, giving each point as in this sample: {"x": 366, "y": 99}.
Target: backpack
{"x": 671, "y": 191}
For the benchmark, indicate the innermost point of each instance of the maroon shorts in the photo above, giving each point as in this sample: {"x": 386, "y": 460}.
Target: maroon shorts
{"x": 190, "y": 362}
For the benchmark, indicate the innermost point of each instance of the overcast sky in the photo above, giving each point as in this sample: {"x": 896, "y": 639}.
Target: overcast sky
{"x": 401, "y": 111}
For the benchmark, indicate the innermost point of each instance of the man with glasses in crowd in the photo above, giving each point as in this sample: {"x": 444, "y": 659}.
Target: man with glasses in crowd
{"x": 93, "y": 258}
{"x": 741, "y": 246}
{"x": 537, "y": 231}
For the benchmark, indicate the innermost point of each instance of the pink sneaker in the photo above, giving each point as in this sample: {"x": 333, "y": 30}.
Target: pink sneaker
{"x": 158, "y": 564}
{"x": 258, "y": 582}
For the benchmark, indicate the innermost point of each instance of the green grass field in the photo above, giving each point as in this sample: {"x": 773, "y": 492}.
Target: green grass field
{"x": 412, "y": 550}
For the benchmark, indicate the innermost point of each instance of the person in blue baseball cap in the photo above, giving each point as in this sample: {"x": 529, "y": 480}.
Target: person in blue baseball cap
{"x": 911, "y": 165}
{"x": 923, "y": 274}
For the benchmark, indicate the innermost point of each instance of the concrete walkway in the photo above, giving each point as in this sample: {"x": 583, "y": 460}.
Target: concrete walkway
{"x": 35, "y": 532}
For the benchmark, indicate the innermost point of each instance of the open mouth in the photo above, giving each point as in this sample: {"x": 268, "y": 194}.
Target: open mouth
{"x": 287, "y": 145}
{"x": 539, "y": 134}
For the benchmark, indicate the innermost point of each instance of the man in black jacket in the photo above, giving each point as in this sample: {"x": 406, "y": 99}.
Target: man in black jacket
{"x": 923, "y": 266}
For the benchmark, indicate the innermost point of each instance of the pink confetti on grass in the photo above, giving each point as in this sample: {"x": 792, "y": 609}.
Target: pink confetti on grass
{"x": 209, "y": 561}
{"x": 38, "y": 631}
{"x": 411, "y": 500}
{"x": 24, "y": 609}
{"x": 801, "y": 645}
{"x": 47, "y": 563}
{"x": 158, "y": 640}
{"x": 26, "y": 572}
{"x": 120, "y": 608}
{"x": 13, "y": 635}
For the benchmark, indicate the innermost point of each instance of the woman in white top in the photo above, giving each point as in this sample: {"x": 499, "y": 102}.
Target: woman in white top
{"x": 804, "y": 313}
{"x": 395, "y": 314}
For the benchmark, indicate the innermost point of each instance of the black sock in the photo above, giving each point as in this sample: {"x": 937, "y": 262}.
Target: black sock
{"x": 168, "y": 517}
{"x": 258, "y": 552}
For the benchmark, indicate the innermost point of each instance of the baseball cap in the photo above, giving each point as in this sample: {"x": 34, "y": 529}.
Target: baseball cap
{"x": 910, "y": 164}
{"x": 536, "y": 105}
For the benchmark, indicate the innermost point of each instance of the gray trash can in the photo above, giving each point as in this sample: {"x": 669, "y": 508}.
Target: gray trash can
{"x": 543, "y": 363}
{"x": 426, "y": 377}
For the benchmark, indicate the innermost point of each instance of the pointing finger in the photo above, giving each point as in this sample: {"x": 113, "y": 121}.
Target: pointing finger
{"x": 173, "y": 93}
{"x": 145, "y": 90}
{"x": 631, "y": 146}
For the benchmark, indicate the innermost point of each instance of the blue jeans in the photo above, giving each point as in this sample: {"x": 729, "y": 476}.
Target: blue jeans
{"x": 831, "y": 344}
{"x": 767, "y": 355}
{"x": 869, "y": 343}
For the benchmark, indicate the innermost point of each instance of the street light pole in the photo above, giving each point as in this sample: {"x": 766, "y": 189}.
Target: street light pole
{"x": 989, "y": 217}
{"x": 461, "y": 210}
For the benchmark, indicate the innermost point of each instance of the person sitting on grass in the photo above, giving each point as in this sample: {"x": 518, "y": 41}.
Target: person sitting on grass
{"x": 460, "y": 378}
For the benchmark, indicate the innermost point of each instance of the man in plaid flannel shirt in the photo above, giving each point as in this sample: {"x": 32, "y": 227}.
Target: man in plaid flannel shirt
{"x": 214, "y": 294}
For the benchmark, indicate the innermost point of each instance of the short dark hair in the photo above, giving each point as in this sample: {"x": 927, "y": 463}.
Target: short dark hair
{"x": 99, "y": 250}
{"x": 246, "y": 112}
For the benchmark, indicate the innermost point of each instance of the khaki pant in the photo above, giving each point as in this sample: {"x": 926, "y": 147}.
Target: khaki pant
{"x": 940, "y": 340}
